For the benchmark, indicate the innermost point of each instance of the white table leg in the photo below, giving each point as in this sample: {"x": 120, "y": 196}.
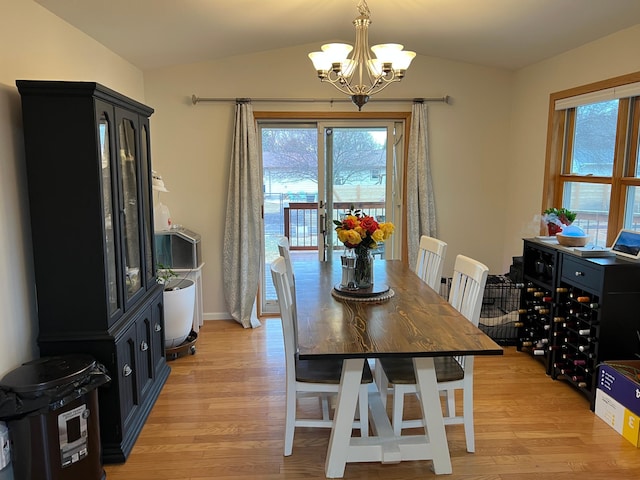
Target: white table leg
{"x": 432, "y": 413}
{"x": 343, "y": 418}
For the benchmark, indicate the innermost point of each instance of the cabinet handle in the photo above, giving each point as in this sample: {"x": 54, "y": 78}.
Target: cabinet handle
{"x": 144, "y": 346}
{"x": 579, "y": 274}
{"x": 126, "y": 370}
{"x": 157, "y": 327}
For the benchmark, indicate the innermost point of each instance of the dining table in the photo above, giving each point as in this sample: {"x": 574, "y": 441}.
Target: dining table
{"x": 408, "y": 319}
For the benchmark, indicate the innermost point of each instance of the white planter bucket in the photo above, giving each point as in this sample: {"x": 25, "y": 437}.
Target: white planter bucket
{"x": 179, "y": 301}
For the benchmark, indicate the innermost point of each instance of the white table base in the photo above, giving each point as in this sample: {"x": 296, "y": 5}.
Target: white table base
{"x": 383, "y": 445}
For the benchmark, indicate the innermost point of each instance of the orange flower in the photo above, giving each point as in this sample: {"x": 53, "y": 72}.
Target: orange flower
{"x": 359, "y": 230}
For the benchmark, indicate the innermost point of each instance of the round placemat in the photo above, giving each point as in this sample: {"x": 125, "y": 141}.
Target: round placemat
{"x": 373, "y": 291}
{"x": 370, "y": 299}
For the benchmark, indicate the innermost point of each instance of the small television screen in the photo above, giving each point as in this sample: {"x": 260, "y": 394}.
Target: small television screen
{"x": 627, "y": 244}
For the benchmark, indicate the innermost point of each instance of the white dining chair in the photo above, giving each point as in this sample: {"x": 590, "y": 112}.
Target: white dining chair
{"x": 305, "y": 377}
{"x": 284, "y": 250}
{"x": 431, "y": 253}
{"x": 452, "y": 373}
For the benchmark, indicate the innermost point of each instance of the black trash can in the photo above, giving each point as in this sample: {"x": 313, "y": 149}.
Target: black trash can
{"x": 51, "y": 408}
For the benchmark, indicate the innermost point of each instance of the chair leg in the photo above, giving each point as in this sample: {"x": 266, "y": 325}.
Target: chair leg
{"x": 450, "y": 409}
{"x": 290, "y": 421}
{"x": 467, "y": 404}
{"x": 324, "y": 405}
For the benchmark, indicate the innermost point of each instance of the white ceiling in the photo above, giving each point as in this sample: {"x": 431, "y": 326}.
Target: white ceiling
{"x": 499, "y": 33}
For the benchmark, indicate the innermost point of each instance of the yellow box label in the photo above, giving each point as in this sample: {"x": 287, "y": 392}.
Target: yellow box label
{"x": 631, "y": 427}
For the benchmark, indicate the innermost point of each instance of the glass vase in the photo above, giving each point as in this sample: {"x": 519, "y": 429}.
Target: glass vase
{"x": 363, "y": 274}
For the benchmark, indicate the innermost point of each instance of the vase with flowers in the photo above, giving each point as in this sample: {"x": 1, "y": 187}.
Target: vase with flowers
{"x": 360, "y": 234}
{"x": 556, "y": 218}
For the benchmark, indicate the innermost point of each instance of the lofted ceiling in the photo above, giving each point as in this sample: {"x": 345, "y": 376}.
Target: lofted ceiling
{"x": 508, "y": 34}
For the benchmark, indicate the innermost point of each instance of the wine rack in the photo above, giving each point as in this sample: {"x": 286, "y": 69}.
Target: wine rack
{"x": 535, "y": 322}
{"x": 537, "y": 303}
{"x": 576, "y": 333}
{"x": 576, "y": 312}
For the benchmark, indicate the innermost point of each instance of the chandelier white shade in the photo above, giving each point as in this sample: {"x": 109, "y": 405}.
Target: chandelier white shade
{"x": 353, "y": 70}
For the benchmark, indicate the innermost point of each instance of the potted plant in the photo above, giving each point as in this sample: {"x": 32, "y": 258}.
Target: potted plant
{"x": 555, "y": 218}
{"x": 179, "y": 303}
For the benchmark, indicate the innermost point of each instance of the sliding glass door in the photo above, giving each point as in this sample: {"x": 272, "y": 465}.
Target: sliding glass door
{"x": 313, "y": 173}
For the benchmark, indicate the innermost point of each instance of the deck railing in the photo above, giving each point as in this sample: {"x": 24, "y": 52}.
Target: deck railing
{"x": 301, "y": 220}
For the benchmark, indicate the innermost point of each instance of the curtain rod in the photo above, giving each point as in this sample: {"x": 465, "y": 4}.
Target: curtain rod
{"x": 195, "y": 99}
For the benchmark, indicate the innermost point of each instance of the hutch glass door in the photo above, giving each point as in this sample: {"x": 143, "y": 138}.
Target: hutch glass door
{"x": 107, "y": 205}
{"x": 131, "y": 230}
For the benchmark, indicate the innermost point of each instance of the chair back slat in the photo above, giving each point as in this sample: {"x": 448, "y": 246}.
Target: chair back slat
{"x": 431, "y": 255}
{"x": 467, "y": 289}
{"x": 287, "y": 311}
{"x": 284, "y": 250}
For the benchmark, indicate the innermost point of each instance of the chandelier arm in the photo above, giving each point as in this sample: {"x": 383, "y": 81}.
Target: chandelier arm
{"x": 378, "y": 88}
{"x": 336, "y": 84}
{"x": 347, "y": 73}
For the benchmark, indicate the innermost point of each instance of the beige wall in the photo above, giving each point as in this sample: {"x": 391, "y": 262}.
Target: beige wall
{"x": 34, "y": 44}
{"x": 606, "y": 58}
{"x": 487, "y": 147}
{"x": 191, "y": 145}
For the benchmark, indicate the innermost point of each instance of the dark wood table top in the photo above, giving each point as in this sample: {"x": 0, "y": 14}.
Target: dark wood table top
{"x": 415, "y": 322}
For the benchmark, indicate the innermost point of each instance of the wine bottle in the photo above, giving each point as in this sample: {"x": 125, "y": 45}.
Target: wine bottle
{"x": 583, "y": 299}
{"x": 577, "y": 378}
{"x": 562, "y": 289}
{"x": 547, "y": 299}
{"x": 593, "y": 306}
{"x": 558, "y": 319}
{"x": 584, "y": 348}
{"x": 584, "y": 331}
{"x": 527, "y": 343}
{"x": 538, "y": 352}
{"x": 582, "y": 384}
{"x": 579, "y": 362}
{"x": 518, "y": 324}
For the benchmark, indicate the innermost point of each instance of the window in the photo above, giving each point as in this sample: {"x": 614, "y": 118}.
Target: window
{"x": 592, "y": 156}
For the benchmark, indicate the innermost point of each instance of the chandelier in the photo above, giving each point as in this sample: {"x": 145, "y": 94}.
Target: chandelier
{"x": 359, "y": 75}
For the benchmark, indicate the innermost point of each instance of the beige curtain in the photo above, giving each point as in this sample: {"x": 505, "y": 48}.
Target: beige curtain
{"x": 243, "y": 226}
{"x": 421, "y": 211}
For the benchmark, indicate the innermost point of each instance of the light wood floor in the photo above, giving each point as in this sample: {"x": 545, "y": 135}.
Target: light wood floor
{"x": 221, "y": 416}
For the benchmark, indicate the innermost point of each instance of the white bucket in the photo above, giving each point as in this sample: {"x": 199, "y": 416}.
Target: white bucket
{"x": 179, "y": 305}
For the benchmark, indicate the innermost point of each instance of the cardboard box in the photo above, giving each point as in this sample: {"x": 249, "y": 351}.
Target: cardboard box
{"x": 621, "y": 419}
{"x": 619, "y": 379}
